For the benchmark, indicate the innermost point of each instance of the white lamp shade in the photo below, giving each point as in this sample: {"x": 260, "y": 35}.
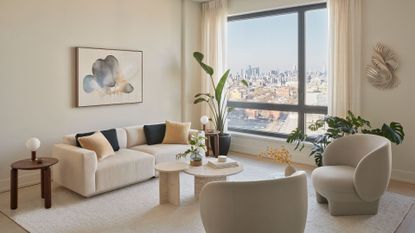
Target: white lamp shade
{"x": 33, "y": 144}
{"x": 204, "y": 120}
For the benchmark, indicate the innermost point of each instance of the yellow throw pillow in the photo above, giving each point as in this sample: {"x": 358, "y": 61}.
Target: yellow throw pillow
{"x": 176, "y": 132}
{"x": 98, "y": 143}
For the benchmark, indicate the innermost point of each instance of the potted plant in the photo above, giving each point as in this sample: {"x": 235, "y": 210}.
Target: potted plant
{"x": 196, "y": 151}
{"x": 281, "y": 155}
{"x": 217, "y": 103}
{"x": 336, "y": 127}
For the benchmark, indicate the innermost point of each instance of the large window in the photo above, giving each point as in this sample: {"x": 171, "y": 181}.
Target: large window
{"x": 282, "y": 54}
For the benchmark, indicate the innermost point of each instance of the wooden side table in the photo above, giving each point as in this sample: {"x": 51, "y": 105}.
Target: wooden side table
{"x": 45, "y": 174}
{"x": 212, "y": 135}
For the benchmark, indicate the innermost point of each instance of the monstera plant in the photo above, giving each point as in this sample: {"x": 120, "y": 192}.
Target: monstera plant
{"x": 336, "y": 127}
{"x": 216, "y": 101}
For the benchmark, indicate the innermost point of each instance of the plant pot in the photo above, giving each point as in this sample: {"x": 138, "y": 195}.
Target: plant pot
{"x": 195, "y": 163}
{"x": 224, "y": 144}
{"x": 289, "y": 170}
{"x": 196, "y": 160}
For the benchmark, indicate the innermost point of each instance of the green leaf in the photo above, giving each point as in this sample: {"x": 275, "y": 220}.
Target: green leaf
{"x": 297, "y": 137}
{"x": 199, "y": 100}
{"x": 220, "y": 86}
{"x": 199, "y": 57}
{"x": 245, "y": 83}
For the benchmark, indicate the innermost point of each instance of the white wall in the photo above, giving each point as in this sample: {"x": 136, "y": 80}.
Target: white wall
{"x": 192, "y": 72}
{"x": 383, "y": 20}
{"x": 391, "y": 22}
{"x": 37, "y": 68}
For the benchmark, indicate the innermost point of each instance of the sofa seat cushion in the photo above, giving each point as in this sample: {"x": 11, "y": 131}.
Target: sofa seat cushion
{"x": 162, "y": 152}
{"x": 125, "y": 167}
{"x": 335, "y": 182}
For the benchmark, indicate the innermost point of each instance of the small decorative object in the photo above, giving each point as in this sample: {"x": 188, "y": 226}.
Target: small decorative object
{"x": 32, "y": 144}
{"x": 280, "y": 155}
{"x": 381, "y": 73}
{"x": 217, "y": 102}
{"x": 222, "y": 158}
{"x": 197, "y": 149}
{"x": 204, "y": 120}
{"x": 109, "y": 76}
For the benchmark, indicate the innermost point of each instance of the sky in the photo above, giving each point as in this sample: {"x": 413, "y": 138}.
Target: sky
{"x": 271, "y": 42}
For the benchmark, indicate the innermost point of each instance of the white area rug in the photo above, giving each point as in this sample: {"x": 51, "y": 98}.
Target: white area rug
{"x": 136, "y": 209}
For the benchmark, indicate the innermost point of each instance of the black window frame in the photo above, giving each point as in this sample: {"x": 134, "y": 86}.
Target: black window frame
{"x": 301, "y": 108}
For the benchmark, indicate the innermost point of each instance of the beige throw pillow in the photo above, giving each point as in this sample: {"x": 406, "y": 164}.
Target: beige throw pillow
{"x": 98, "y": 143}
{"x": 176, "y": 132}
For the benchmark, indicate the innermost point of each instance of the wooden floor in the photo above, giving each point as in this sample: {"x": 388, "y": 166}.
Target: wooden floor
{"x": 407, "y": 226}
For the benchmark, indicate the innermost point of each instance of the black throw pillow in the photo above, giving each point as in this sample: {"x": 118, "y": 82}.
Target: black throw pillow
{"x": 109, "y": 134}
{"x": 154, "y": 133}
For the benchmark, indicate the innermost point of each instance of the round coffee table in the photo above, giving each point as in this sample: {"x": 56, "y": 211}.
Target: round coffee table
{"x": 43, "y": 164}
{"x": 169, "y": 181}
{"x": 205, "y": 174}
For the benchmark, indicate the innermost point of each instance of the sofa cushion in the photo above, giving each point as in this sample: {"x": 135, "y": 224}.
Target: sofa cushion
{"x": 162, "y": 152}
{"x": 176, "y": 132}
{"x": 98, "y": 143}
{"x": 334, "y": 182}
{"x": 135, "y": 135}
{"x": 125, "y": 167}
{"x": 110, "y": 135}
{"x": 154, "y": 133}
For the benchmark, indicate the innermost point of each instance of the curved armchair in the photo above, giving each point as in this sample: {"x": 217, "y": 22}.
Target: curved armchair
{"x": 278, "y": 205}
{"x": 356, "y": 173}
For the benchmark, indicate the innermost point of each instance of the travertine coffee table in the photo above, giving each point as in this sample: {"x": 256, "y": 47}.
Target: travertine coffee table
{"x": 169, "y": 182}
{"x": 205, "y": 174}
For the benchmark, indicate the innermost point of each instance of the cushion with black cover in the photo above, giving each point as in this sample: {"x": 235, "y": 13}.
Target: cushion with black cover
{"x": 109, "y": 134}
{"x": 154, "y": 133}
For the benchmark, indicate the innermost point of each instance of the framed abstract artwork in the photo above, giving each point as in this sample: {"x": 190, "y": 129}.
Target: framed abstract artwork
{"x": 109, "y": 76}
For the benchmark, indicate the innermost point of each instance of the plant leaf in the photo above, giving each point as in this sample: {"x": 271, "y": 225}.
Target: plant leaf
{"x": 245, "y": 83}
{"x": 199, "y": 100}
{"x": 199, "y": 57}
{"x": 220, "y": 86}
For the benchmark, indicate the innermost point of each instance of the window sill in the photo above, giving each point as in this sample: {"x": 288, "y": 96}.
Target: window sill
{"x": 262, "y": 138}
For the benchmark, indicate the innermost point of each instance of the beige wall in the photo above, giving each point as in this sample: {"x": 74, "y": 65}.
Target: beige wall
{"x": 383, "y": 20}
{"x": 391, "y": 22}
{"x": 37, "y": 68}
{"x": 191, "y": 69}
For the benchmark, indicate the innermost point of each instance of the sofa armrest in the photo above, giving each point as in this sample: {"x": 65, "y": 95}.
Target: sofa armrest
{"x": 373, "y": 172}
{"x": 76, "y": 168}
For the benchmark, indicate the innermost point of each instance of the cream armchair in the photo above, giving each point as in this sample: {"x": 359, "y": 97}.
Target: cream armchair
{"x": 356, "y": 173}
{"x": 278, "y": 205}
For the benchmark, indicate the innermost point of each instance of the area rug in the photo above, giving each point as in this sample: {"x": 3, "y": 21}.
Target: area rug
{"x": 136, "y": 209}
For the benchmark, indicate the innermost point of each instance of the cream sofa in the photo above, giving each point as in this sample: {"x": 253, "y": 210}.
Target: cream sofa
{"x": 80, "y": 171}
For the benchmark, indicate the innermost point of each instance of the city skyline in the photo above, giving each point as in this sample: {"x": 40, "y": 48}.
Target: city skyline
{"x": 252, "y": 43}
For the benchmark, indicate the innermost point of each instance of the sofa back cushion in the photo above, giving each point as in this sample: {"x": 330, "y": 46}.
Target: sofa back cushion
{"x": 176, "y": 132}
{"x": 135, "y": 135}
{"x": 154, "y": 133}
{"x": 109, "y": 134}
{"x": 99, "y": 143}
{"x": 70, "y": 139}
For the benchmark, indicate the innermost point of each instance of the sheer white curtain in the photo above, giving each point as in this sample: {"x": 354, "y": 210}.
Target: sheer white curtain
{"x": 345, "y": 56}
{"x": 214, "y": 20}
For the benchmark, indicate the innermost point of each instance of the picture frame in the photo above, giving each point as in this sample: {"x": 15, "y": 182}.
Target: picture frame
{"x": 108, "y": 76}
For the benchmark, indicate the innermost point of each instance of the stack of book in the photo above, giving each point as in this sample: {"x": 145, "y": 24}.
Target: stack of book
{"x": 228, "y": 163}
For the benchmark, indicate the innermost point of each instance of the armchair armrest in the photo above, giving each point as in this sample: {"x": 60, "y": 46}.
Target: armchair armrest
{"x": 76, "y": 168}
{"x": 373, "y": 172}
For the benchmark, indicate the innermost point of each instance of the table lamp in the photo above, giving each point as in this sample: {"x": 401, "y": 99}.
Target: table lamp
{"x": 204, "y": 120}
{"x": 32, "y": 145}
